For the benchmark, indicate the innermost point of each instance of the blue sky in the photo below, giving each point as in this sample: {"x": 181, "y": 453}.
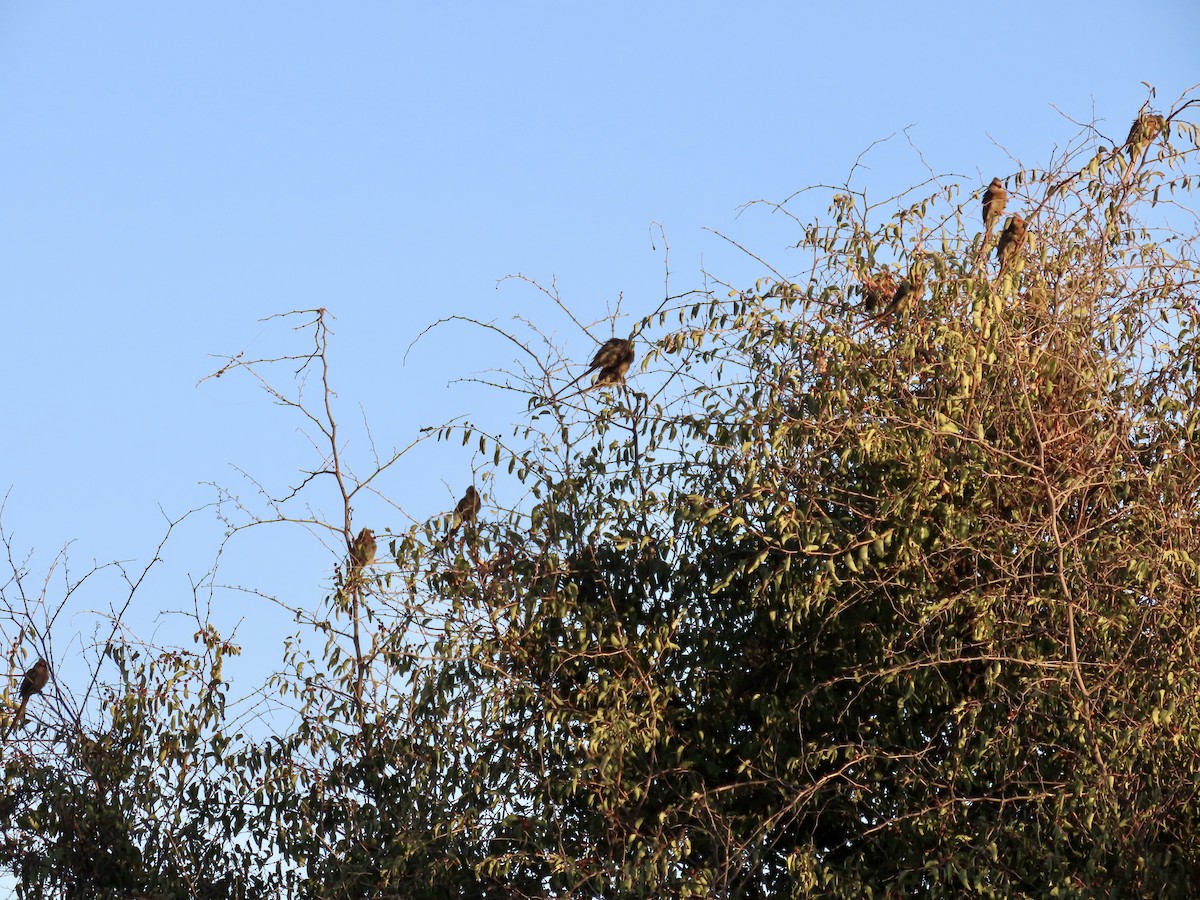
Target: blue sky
{"x": 172, "y": 173}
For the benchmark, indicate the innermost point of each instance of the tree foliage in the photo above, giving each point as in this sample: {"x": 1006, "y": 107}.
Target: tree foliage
{"x": 821, "y": 603}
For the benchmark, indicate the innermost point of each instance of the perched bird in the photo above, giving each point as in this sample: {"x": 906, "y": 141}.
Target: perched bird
{"x": 467, "y": 509}
{"x": 910, "y": 289}
{"x": 34, "y": 682}
{"x": 612, "y": 359}
{"x": 612, "y": 353}
{"x": 995, "y": 197}
{"x": 1011, "y": 240}
{"x": 614, "y": 374}
{"x": 1145, "y": 128}
{"x": 362, "y": 551}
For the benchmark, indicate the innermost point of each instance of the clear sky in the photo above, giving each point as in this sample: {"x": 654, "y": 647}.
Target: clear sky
{"x": 172, "y": 173}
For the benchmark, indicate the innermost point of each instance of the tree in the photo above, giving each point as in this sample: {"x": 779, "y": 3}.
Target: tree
{"x": 816, "y": 604}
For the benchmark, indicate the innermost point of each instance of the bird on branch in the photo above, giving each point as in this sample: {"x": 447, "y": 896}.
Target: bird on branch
{"x": 34, "y": 682}
{"x": 614, "y": 374}
{"x": 612, "y": 359}
{"x": 466, "y": 511}
{"x": 1011, "y": 241}
{"x": 362, "y": 551}
{"x": 995, "y": 198}
{"x": 1145, "y": 128}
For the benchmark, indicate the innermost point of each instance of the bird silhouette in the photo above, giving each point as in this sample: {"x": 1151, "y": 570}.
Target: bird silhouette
{"x": 612, "y": 359}
{"x": 614, "y": 374}
{"x": 362, "y": 550}
{"x": 34, "y": 682}
{"x": 1145, "y": 128}
{"x": 612, "y": 353}
{"x": 467, "y": 509}
{"x": 995, "y": 198}
{"x": 1011, "y": 241}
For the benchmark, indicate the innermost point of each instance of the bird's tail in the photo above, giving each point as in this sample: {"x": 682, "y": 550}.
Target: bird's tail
{"x": 17, "y": 719}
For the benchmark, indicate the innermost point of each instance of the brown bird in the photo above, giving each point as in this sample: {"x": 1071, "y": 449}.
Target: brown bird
{"x": 362, "y": 551}
{"x": 612, "y": 359}
{"x": 34, "y": 682}
{"x": 995, "y": 197}
{"x": 612, "y": 353}
{"x": 1145, "y": 128}
{"x": 1011, "y": 240}
{"x": 614, "y": 374}
{"x": 467, "y": 509}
